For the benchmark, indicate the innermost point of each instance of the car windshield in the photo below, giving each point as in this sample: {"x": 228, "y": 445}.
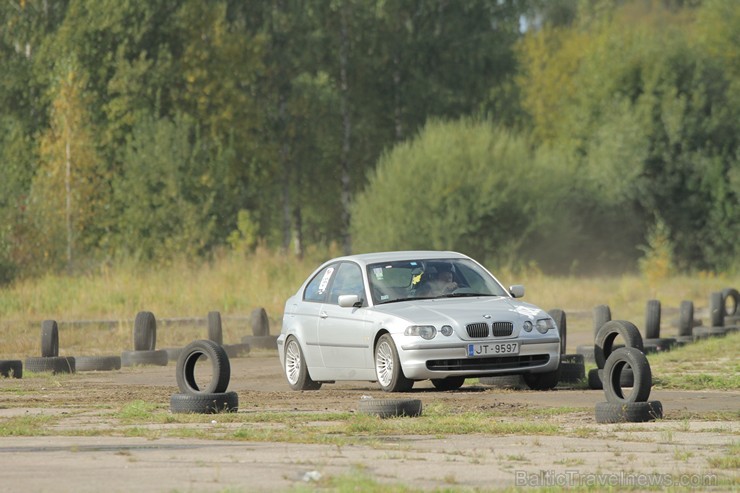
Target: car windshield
{"x": 395, "y": 281}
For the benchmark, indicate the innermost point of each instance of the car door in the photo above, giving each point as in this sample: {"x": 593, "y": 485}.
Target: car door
{"x": 308, "y": 311}
{"x": 344, "y": 332}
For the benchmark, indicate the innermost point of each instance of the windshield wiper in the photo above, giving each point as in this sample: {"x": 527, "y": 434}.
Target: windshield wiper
{"x": 400, "y": 299}
{"x": 462, "y": 295}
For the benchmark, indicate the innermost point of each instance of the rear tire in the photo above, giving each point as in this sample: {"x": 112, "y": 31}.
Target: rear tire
{"x": 449, "y": 383}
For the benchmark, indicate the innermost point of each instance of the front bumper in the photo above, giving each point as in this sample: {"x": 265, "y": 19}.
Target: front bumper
{"x": 421, "y": 362}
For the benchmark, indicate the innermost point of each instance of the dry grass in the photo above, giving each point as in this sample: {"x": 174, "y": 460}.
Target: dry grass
{"x": 235, "y": 285}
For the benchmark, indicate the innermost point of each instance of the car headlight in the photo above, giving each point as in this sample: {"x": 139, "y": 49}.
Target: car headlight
{"x": 446, "y": 330}
{"x": 545, "y": 324}
{"x": 527, "y": 326}
{"x": 424, "y": 331}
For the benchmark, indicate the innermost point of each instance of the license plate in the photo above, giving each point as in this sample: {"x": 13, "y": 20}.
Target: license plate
{"x": 493, "y": 349}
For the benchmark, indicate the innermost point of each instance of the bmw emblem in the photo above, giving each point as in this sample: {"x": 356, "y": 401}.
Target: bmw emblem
{"x": 486, "y": 316}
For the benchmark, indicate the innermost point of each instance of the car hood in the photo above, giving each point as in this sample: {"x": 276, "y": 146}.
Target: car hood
{"x": 462, "y": 310}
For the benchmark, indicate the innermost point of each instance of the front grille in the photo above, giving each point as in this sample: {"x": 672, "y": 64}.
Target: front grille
{"x": 502, "y": 329}
{"x": 493, "y": 363}
{"x": 478, "y": 329}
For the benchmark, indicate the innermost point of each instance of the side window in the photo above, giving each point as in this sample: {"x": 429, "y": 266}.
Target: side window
{"x": 347, "y": 281}
{"x": 316, "y": 290}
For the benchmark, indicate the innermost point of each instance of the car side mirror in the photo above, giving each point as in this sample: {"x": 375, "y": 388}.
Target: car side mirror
{"x": 517, "y": 290}
{"x": 349, "y": 300}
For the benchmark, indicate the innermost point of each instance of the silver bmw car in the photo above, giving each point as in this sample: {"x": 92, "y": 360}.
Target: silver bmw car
{"x": 399, "y": 317}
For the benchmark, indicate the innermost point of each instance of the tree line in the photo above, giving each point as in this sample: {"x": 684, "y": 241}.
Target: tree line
{"x": 574, "y": 134}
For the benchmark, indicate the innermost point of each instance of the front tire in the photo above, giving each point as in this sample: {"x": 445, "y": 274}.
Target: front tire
{"x": 388, "y": 367}
{"x": 542, "y": 381}
{"x": 295, "y": 368}
{"x": 449, "y": 383}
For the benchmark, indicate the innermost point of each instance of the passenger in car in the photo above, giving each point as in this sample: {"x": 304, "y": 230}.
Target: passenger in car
{"x": 443, "y": 283}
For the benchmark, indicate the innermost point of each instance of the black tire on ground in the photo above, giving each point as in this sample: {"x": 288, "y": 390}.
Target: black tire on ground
{"x": 542, "y": 381}
{"x": 11, "y": 368}
{"x": 54, "y": 364}
{"x": 602, "y": 314}
{"x": 204, "y": 403}
{"x": 700, "y": 332}
{"x": 683, "y": 340}
{"x": 562, "y": 324}
{"x": 717, "y": 331}
{"x": 173, "y": 353}
{"x": 686, "y": 318}
{"x": 587, "y": 351}
{"x": 145, "y": 332}
{"x": 449, "y": 383}
{"x": 236, "y": 350}
{"x": 661, "y": 344}
{"x": 260, "y": 322}
{"x": 571, "y": 368}
{"x": 504, "y": 382}
{"x": 604, "y": 344}
{"x": 157, "y": 357}
{"x": 733, "y": 296}
{"x": 390, "y": 408}
{"x": 215, "y": 330}
{"x": 97, "y": 363}
{"x": 652, "y": 319}
{"x": 716, "y": 309}
{"x": 260, "y": 342}
{"x": 572, "y": 358}
{"x": 628, "y": 412}
{"x": 49, "y": 339}
{"x": 388, "y": 369}
{"x": 612, "y": 376}
{"x": 594, "y": 379}
{"x": 295, "y": 369}
{"x": 627, "y": 379}
{"x": 185, "y": 371}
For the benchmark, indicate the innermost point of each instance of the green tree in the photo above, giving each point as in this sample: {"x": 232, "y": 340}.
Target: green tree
{"x": 163, "y": 194}
{"x": 465, "y": 185}
{"x": 68, "y": 188}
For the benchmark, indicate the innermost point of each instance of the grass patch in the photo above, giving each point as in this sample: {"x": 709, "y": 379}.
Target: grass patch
{"x": 26, "y": 426}
{"x": 706, "y": 364}
{"x": 730, "y": 461}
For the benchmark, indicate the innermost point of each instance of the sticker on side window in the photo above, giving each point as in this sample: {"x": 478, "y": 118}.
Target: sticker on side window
{"x": 325, "y": 280}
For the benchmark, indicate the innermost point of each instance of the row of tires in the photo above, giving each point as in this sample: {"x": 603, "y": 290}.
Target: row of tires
{"x": 144, "y": 353}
